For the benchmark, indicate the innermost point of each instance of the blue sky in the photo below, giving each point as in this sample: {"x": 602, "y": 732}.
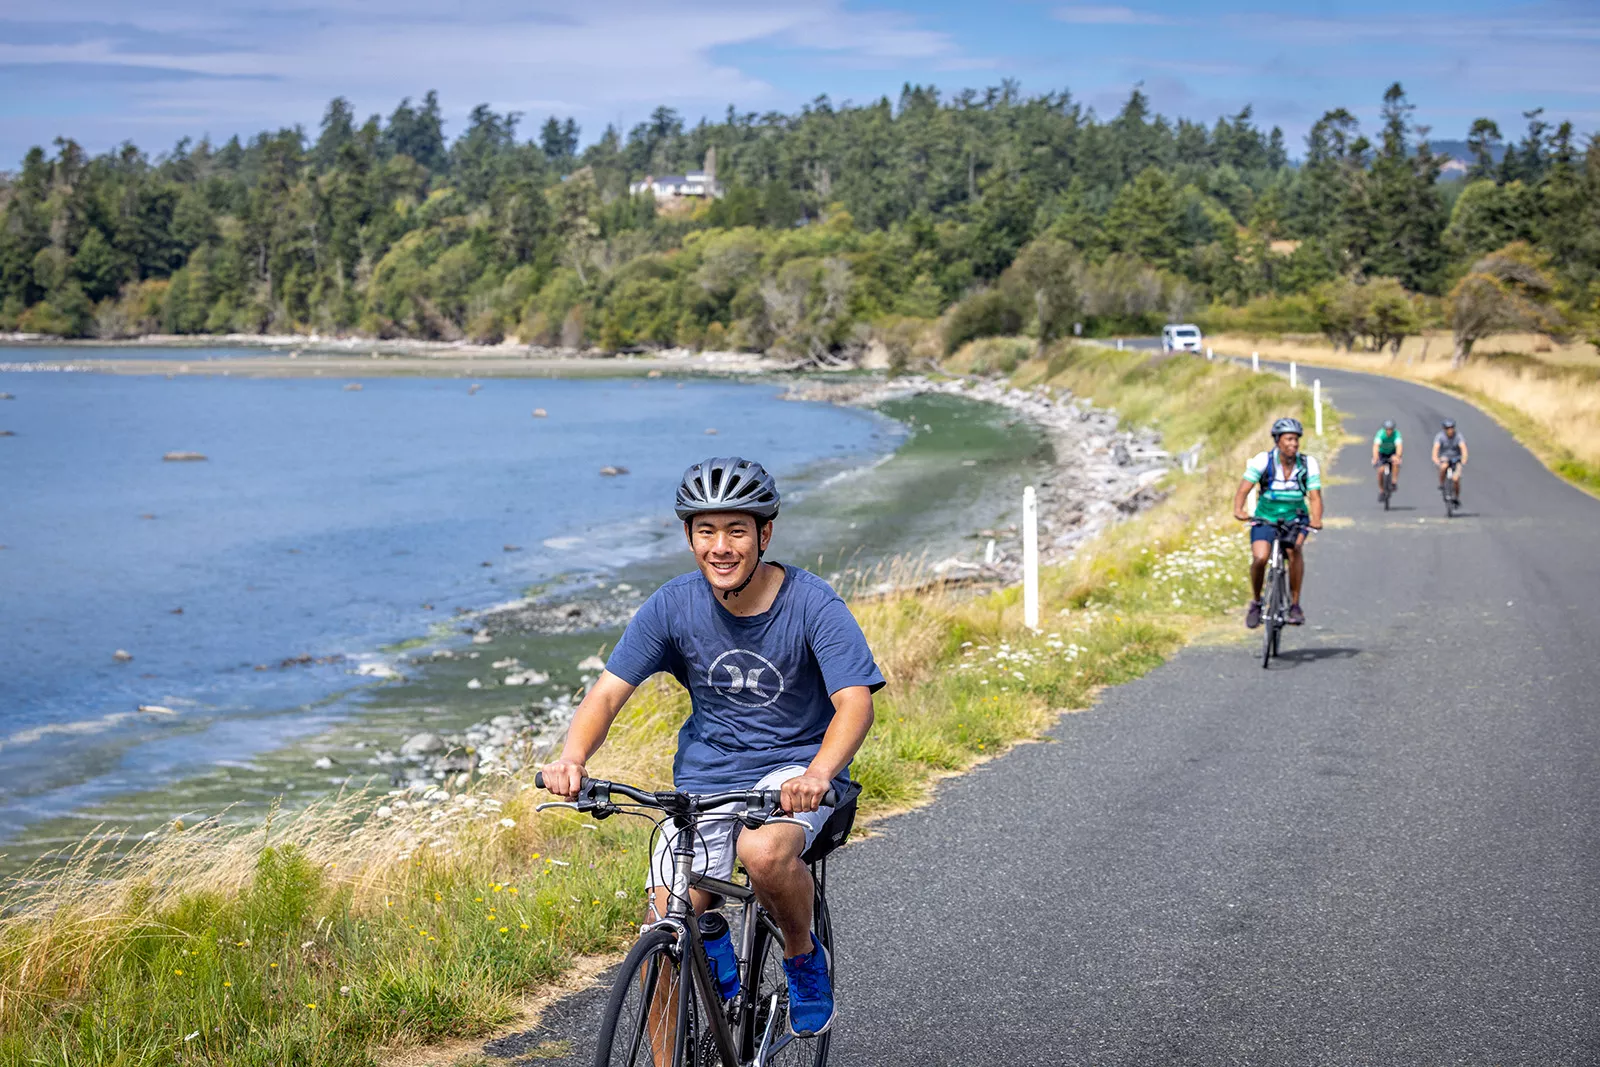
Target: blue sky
{"x": 103, "y": 71}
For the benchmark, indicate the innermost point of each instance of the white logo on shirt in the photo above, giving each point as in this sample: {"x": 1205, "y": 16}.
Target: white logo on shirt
{"x": 748, "y": 684}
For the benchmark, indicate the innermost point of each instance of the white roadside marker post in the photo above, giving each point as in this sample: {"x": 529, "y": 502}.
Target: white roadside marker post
{"x": 1294, "y": 376}
{"x": 1255, "y": 362}
{"x": 1316, "y": 400}
{"x": 1209, "y": 355}
{"x": 1030, "y": 559}
{"x": 1119, "y": 344}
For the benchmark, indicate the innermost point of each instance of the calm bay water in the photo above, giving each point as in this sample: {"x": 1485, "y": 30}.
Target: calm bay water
{"x": 331, "y": 523}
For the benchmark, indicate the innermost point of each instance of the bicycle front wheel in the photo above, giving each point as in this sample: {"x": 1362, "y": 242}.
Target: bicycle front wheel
{"x": 771, "y": 980}
{"x": 652, "y": 1017}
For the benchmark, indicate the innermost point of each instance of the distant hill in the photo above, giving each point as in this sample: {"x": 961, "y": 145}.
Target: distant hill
{"x": 1459, "y": 150}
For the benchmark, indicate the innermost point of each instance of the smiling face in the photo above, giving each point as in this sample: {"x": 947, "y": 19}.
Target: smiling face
{"x": 725, "y": 546}
{"x": 1289, "y": 445}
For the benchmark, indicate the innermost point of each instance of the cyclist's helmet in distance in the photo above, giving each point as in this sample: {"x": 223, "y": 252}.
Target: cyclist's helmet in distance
{"x": 727, "y": 483}
{"x": 1388, "y": 424}
{"x": 1287, "y": 425}
{"x": 1448, "y": 424}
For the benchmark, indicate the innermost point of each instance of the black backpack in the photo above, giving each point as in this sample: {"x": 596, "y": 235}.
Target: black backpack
{"x": 1301, "y": 473}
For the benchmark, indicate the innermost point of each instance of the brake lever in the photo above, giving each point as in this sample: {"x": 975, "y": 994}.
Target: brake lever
{"x": 598, "y": 809}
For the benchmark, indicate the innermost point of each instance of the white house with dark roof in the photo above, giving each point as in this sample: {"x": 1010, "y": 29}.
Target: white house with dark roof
{"x": 697, "y": 183}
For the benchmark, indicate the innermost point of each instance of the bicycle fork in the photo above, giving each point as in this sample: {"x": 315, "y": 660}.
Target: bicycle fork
{"x": 680, "y": 914}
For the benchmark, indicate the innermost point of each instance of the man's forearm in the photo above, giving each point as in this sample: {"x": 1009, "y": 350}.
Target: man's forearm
{"x": 852, "y": 720}
{"x": 592, "y": 720}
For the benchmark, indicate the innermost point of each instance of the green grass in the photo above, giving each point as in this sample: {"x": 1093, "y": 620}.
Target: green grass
{"x": 332, "y": 935}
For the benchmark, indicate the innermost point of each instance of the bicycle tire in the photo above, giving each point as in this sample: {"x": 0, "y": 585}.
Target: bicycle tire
{"x": 767, "y": 969}
{"x": 1269, "y": 617}
{"x": 651, "y": 957}
{"x": 1388, "y": 487}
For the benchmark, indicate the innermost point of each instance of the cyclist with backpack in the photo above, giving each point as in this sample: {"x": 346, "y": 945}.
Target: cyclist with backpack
{"x": 1388, "y": 447}
{"x": 780, "y": 681}
{"x": 1290, "y": 485}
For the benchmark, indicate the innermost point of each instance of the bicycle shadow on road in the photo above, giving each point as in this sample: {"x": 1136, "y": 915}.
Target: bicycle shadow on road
{"x": 1293, "y": 657}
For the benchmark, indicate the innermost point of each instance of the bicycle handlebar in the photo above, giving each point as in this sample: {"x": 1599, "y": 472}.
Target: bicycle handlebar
{"x": 596, "y": 791}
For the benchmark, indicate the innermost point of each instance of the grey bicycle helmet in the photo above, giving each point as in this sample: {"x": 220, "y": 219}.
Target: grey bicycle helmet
{"x": 727, "y": 483}
{"x": 1448, "y": 423}
{"x": 1287, "y": 425}
{"x": 1388, "y": 424}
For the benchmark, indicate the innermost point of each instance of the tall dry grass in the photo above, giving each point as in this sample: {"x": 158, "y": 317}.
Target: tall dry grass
{"x": 1546, "y": 394}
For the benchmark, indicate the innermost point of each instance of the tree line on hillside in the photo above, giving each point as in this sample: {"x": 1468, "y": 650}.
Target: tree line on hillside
{"x": 987, "y": 211}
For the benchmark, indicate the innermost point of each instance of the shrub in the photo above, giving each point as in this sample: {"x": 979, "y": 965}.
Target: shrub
{"x": 988, "y": 313}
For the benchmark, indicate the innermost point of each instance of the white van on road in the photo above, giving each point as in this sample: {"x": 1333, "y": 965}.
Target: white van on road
{"x": 1184, "y": 338}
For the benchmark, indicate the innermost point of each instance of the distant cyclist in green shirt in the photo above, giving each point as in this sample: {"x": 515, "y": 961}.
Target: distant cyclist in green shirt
{"x": 1290, "y": 485}
{"x": 1388, "y": 447}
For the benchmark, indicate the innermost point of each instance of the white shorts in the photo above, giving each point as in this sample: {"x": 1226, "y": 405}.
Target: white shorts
{"x": 713, "y": 847}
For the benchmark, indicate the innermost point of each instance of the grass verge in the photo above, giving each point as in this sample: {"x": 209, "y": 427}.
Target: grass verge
{"x": 1548, "y": 401}
{"x": 362, "y": 926}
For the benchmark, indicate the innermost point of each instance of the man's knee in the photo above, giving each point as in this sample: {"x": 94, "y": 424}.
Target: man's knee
{"x": 770, "y": 851}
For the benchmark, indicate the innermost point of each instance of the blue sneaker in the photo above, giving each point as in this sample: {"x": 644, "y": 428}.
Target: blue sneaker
{"x": 810, "y": 992}
{"x": 724, "y": 963}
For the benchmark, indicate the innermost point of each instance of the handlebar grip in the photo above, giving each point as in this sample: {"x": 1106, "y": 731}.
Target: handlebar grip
{"x": 538, "y": 779}
{"x": 830, "y": 799}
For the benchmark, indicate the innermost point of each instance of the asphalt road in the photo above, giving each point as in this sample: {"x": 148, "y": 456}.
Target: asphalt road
{"x": 1385, "y": 850}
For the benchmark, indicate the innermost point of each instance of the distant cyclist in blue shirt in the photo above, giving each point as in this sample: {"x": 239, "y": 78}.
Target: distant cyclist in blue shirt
{"x": 780, "y": 681}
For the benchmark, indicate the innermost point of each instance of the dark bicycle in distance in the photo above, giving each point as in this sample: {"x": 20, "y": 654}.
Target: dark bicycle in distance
{"x": 1275, "y": 598}
{"x": 1386, "y": 475}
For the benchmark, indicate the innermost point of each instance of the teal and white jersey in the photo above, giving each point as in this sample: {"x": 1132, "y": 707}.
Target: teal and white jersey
{"x": 1387, "y": 441}
{"x": 1285, "y": 496}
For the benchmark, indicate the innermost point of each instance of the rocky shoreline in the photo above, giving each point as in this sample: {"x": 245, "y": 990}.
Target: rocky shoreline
{"x": 1102, "y": 474}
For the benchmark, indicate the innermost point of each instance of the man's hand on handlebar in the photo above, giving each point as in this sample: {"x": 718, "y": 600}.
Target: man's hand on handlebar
{"x": 564, "y": 777}
{"x": 804, "y": 793}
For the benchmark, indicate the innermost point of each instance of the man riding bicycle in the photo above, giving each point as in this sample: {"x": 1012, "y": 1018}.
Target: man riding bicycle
{"x": 1388, "y": 448}
{"x": 780, "y": 681}
{"x": 1450, "y": 453}
{"x": 1290, "y": 485}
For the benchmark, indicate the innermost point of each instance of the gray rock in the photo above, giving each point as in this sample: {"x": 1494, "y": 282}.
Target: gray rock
{"x": 422, "y": 745}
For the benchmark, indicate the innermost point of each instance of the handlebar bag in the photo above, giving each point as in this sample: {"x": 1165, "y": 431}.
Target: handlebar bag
{"x": 836, "y": 829}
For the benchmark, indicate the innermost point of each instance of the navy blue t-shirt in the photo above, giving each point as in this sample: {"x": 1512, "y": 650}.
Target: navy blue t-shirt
{"x": 760, "y": 686}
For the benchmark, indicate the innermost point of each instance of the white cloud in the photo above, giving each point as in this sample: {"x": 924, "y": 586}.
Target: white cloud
{"x": 1108, "y": 15}
{"x": 605, "y": 61}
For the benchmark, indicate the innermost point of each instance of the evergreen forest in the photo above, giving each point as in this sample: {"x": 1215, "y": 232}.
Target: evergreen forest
{"x": 982, "y": 212}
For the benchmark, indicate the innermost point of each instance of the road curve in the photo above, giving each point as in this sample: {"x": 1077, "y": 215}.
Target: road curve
{"x": 1385, "y": 850}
